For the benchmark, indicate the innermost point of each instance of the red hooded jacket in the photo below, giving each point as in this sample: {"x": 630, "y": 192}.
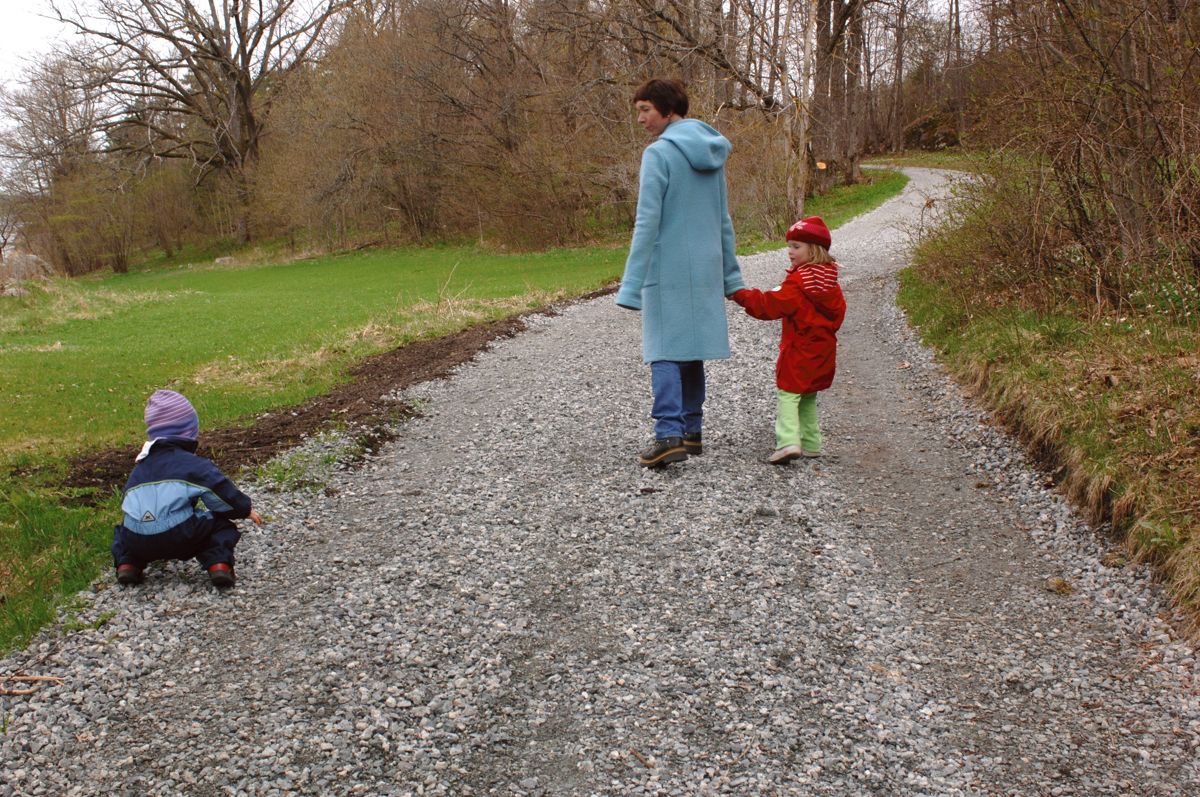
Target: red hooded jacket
{"x": 812, "y": 307}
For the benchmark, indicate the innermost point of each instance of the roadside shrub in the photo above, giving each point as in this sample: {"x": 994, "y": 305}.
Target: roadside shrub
{"x": 1104, "y": 198}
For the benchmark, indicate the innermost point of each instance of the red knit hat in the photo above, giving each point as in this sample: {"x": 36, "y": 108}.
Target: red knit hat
{"x": 811, "y": 230}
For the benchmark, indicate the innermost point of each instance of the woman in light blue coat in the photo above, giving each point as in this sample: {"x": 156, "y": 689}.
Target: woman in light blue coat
{"x": 681, "y": 265}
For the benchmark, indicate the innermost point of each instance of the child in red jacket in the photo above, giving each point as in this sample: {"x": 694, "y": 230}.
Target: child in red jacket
{"x": 812, "y": 307}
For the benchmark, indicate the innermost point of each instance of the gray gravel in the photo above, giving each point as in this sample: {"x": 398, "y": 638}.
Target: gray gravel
{"x": 501, "y": 602}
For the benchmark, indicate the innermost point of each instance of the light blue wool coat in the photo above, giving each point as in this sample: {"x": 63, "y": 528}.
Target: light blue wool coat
{"x": 681, "y": 262}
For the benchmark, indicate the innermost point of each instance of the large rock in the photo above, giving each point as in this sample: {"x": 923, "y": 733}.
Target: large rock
{"x": 20, "y": 265}
{"x": 933, "y": 132}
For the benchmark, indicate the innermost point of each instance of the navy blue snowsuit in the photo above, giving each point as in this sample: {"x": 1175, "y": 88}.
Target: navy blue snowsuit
{"x": 178, "y": 506}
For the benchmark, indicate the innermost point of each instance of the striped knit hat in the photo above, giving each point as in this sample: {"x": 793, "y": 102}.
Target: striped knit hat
{"x": 169, "y": 414}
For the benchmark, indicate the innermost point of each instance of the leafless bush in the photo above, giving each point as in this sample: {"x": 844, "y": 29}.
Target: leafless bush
{"x": 1102, "y": 103}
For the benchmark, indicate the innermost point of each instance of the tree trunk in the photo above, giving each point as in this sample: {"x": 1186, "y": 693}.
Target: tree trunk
{"x": 956, "y": 72}
{"x": 850, "y": 140}
{"x": 822, "y": 104}
{"x": 164, "y": 240}
{"x": 897, "y": 117}
{"x": 799, "y": 126}
{"x": 242, "y": 196}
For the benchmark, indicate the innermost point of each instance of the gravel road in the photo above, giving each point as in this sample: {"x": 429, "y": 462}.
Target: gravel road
{"x": 501, "y": 602}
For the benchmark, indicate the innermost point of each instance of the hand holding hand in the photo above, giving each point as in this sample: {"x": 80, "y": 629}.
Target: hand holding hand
{"x": 739, "y": 296}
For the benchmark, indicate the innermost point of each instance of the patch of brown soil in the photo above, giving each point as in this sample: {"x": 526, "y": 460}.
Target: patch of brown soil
{"x": 359, "y": 402}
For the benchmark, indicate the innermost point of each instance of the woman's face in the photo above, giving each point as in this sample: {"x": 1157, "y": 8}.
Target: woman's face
{"x": 798, "y": 252}
{"x": 650, "y": 119}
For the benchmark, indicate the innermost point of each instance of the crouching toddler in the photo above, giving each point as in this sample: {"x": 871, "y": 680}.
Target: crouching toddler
{"x": 177, "y": 505}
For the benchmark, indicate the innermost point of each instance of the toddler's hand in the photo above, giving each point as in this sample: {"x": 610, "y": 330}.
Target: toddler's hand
{"x": 257, "y": 518}
{"x": 740, "y": 296}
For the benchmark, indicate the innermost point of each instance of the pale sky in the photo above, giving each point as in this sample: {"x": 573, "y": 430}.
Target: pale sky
{"x": 25, "y": 33}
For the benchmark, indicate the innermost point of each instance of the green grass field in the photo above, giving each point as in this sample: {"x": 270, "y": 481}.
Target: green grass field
{"x": 237, "y": 340}
{"x": 951, "y": 158}
{"x": 78, "y": 358}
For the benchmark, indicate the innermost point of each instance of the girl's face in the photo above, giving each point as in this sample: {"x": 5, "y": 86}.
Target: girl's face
{"x": 798, "y": 252}
{"x": 650, "y": 119}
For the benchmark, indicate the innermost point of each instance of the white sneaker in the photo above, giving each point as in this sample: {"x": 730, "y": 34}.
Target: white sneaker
{"x": 785, "y": 455}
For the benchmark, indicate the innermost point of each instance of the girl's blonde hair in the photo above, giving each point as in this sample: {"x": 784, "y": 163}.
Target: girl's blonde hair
{"x": 818, "y": 254}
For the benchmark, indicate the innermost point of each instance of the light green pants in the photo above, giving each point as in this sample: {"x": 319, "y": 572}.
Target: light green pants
{"x": 796, "y": 421}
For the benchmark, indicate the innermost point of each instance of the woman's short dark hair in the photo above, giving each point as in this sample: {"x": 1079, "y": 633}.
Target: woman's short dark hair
{"x": 667, "y": 96}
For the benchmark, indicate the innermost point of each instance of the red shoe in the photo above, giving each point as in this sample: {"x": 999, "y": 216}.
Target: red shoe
{"x": 129, "y": 574}
{"x": 221, "y": 574}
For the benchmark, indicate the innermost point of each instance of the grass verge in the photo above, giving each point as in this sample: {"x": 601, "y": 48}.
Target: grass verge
{"x": 78, "y": 358}
{"x": 950, "y": 158}
{"x": 1107, "y": 401}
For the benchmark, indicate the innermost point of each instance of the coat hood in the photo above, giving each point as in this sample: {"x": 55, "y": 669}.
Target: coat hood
{"x": 704, "y": 148}
{"x": 186, "y": 443}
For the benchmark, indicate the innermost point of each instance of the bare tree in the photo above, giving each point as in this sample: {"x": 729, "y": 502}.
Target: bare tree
{"x": 199, "y": 78}
{"x": 8, "y": 223}
{"x": 759, "y": 54}
{"x": 836, "y": 138}
{"x": 49, "y": 150}
{"x": 54, "y": 123}
{"x": 504, "y": 118}
{"x": 801, "y": 121}
{"x": 690, "y": 31}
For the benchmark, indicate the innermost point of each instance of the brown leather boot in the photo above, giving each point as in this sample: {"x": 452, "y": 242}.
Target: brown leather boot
{"x": 663, "y": 452}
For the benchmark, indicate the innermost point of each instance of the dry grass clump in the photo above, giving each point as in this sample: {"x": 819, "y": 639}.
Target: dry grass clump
{"x": 422, "y": 319}
{"x": 52, "y": 301}
{"x": 262, "y": 372}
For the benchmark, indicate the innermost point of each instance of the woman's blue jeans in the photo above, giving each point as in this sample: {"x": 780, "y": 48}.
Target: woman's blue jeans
{"x": 678, "y": 397}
